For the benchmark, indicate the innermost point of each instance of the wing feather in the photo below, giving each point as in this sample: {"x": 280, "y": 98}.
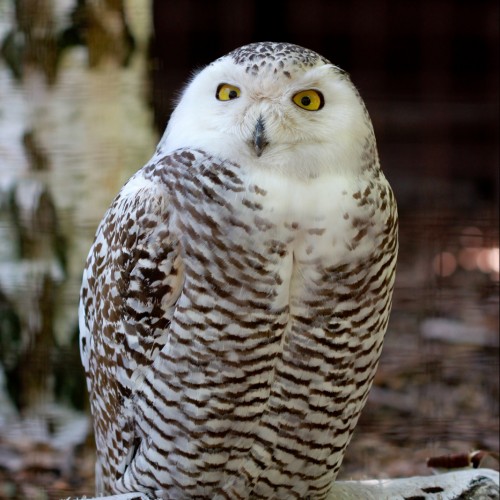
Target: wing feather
{"x": 131, "y": 282}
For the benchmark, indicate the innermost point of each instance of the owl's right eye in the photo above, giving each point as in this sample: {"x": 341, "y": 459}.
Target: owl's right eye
{"x": 227, "y": 92}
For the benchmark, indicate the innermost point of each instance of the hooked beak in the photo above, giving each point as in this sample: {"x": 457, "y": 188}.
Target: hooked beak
{"x": 259, "y": 136}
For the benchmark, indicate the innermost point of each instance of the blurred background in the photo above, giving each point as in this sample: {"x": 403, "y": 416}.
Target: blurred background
{"x": 86, "y": 89}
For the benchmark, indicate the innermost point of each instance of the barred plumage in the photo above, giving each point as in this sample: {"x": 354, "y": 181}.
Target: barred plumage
{"x": 234, "y": 303}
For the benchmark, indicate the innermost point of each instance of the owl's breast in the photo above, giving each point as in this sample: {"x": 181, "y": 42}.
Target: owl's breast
{"x": 277, "y": 330}
{"x": 237, "y": 227}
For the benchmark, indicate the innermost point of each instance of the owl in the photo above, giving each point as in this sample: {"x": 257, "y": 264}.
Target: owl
{"x": 235, "y": 299}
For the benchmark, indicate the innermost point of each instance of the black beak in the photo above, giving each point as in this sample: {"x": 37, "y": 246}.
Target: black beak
{"x": 259, "y": 136}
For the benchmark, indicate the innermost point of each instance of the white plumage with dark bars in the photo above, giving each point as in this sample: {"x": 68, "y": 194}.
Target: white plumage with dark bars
{"x": 235, "y": 300}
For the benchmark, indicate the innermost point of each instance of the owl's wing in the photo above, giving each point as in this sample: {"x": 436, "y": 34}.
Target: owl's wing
{"x": 131, "y": 282}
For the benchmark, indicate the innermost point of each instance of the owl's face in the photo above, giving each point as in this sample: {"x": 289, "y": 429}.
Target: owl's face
{"x": 276, "y": 107}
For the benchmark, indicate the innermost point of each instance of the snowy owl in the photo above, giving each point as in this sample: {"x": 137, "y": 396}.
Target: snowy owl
{"x": 235, "y": 299}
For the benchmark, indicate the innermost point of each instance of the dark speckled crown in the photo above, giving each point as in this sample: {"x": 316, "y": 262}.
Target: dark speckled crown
{"x": 275, "y": 56}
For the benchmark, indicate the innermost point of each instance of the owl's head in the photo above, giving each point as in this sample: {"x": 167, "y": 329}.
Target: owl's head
{"x": 276, "y": 107}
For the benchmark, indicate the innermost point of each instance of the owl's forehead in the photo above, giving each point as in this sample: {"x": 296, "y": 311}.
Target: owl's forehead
{"x": 273, "y": 57}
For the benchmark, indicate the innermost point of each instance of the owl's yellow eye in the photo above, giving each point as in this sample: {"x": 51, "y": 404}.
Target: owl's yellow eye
{"x": 312, "y": 100}
{"x": 227, "y": 92}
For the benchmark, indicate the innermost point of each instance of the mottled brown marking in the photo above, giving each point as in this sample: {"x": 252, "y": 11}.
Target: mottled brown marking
{"x": 316, "y": 230}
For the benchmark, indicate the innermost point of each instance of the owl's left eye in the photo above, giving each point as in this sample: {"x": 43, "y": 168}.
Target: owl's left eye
{"x": 312, "y": 100}
{"x": 227, "y": 92}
